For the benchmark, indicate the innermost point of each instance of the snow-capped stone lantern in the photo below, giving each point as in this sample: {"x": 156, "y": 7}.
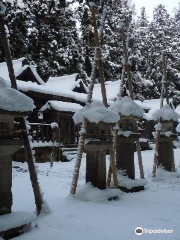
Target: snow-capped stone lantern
{"x": 12, "y": 104}
{"x": 165, "y": 118}
{"x": 127, "y": 135}
{"x": 98, "y": 140}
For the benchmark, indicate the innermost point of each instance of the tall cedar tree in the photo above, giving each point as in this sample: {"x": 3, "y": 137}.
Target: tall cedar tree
{"x": 17, "y": 24}
{"x": 138, "y": 57}
{"x": 53, "y": 38}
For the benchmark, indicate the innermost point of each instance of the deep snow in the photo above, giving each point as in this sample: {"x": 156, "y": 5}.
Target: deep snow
{"x": 75, "y": 219}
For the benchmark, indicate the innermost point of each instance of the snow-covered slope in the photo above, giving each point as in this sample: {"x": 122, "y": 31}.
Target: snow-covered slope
{"x": 77, "y": 218}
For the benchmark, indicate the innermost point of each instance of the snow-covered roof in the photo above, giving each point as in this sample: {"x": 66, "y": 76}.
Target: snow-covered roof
{"x": 96, "y": 112}
{"x": 57, "y": 86}
{"x": 12, "y": 100}
{"x": 36, "y": 75}
{"x": 112, "y": 90}
{"x": 61, "y": 106}
{"x": 127, "y": 107}
{"x": 166, "y": 113}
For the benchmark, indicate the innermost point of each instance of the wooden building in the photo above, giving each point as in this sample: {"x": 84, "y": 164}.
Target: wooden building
{"x": 68, "y": 92}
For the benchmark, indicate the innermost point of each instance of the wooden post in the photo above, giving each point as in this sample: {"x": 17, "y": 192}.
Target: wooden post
{"x": 164, "y": 62}
{"x": 127, "y": 68}
{"x": 29, "y": 157}
{"x": 32, "y": 170}
{"x": 103, "y": 89}
{"x": 84, "y": 126}
{"x": 156, "y": 154}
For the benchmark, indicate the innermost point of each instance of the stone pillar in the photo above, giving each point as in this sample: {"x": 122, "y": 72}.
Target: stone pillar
{"x": 5, "y": 184}
{"x": 125, "y": 154}
{"x": 7, "y": 148}
{"x": 96, "y": 163}
{"x": 166, "y": 155}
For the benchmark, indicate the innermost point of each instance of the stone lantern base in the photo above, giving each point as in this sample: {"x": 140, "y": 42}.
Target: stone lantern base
{"x": 96, "y": 163}
{"x": 125, "y": 160}
{"x": 166, "y": 155}
{"x": 7, "y": 148}
{"x": 125, "y": 154}
{"x": 5, "y": 184}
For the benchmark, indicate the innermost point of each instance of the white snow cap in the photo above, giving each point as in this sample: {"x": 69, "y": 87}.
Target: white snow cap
{"x": 166, "y": 113}
{"x": 96, "y": 112}
{"x": 13, "y": 100}
{"x": 127, "y": 107}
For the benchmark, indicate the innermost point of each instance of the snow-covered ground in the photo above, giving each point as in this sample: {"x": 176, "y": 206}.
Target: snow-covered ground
{"x": 75, "y": 219}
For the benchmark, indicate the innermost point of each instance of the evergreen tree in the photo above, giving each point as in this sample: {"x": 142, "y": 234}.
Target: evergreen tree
{"x": 84, "y": 17}
{"x": 161, "y": 35}
{"x": 17, "y": 21}
{"x": 143, "y": 87}
{"x": 118, "y": 11}
{"x": 53, "y": 38}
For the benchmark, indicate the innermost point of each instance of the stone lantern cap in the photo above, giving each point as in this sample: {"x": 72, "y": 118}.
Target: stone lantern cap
{"x": 97, "y": 113}
{"x": 166, "y": 114}
{"x": 127, "y": 108}
{"x": 13, "y": 102}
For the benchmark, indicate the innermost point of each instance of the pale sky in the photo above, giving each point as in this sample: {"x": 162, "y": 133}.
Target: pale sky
{"x": 150, "y": 4}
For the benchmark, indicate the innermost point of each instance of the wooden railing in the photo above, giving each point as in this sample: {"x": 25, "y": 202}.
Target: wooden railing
{"x": 41, "y": 132}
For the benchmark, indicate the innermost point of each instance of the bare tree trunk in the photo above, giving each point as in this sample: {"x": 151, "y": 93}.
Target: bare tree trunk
{"x": 127, "y": 67}
{"x": 29, "y": 157}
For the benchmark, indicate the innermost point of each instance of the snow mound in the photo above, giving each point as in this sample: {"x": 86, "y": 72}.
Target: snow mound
{"x": 90, "y": 193}
{"x": 16, "y": 219}
{"x": 96, "y": 112}
{"x": 127, "y": 107}
{"x": 166, "y": 113}
{"x": 13, "y": 100}
{"x": 128, "y": 183}
{"x": 166, "y": 177}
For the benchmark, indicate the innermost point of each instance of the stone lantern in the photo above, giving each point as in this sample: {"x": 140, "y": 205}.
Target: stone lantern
{"x": 98, "y": 140}
{"x": 12, "y": 104}
{"x": 165, "y": 119}
{"x": 129, "y": 112}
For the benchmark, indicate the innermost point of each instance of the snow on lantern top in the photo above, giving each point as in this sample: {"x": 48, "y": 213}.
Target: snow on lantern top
{"x": 12, "y": 100}
{"x": 126, "y": 107}
{"x": 166, "y": 113}
{"x": 96, "y": 112}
